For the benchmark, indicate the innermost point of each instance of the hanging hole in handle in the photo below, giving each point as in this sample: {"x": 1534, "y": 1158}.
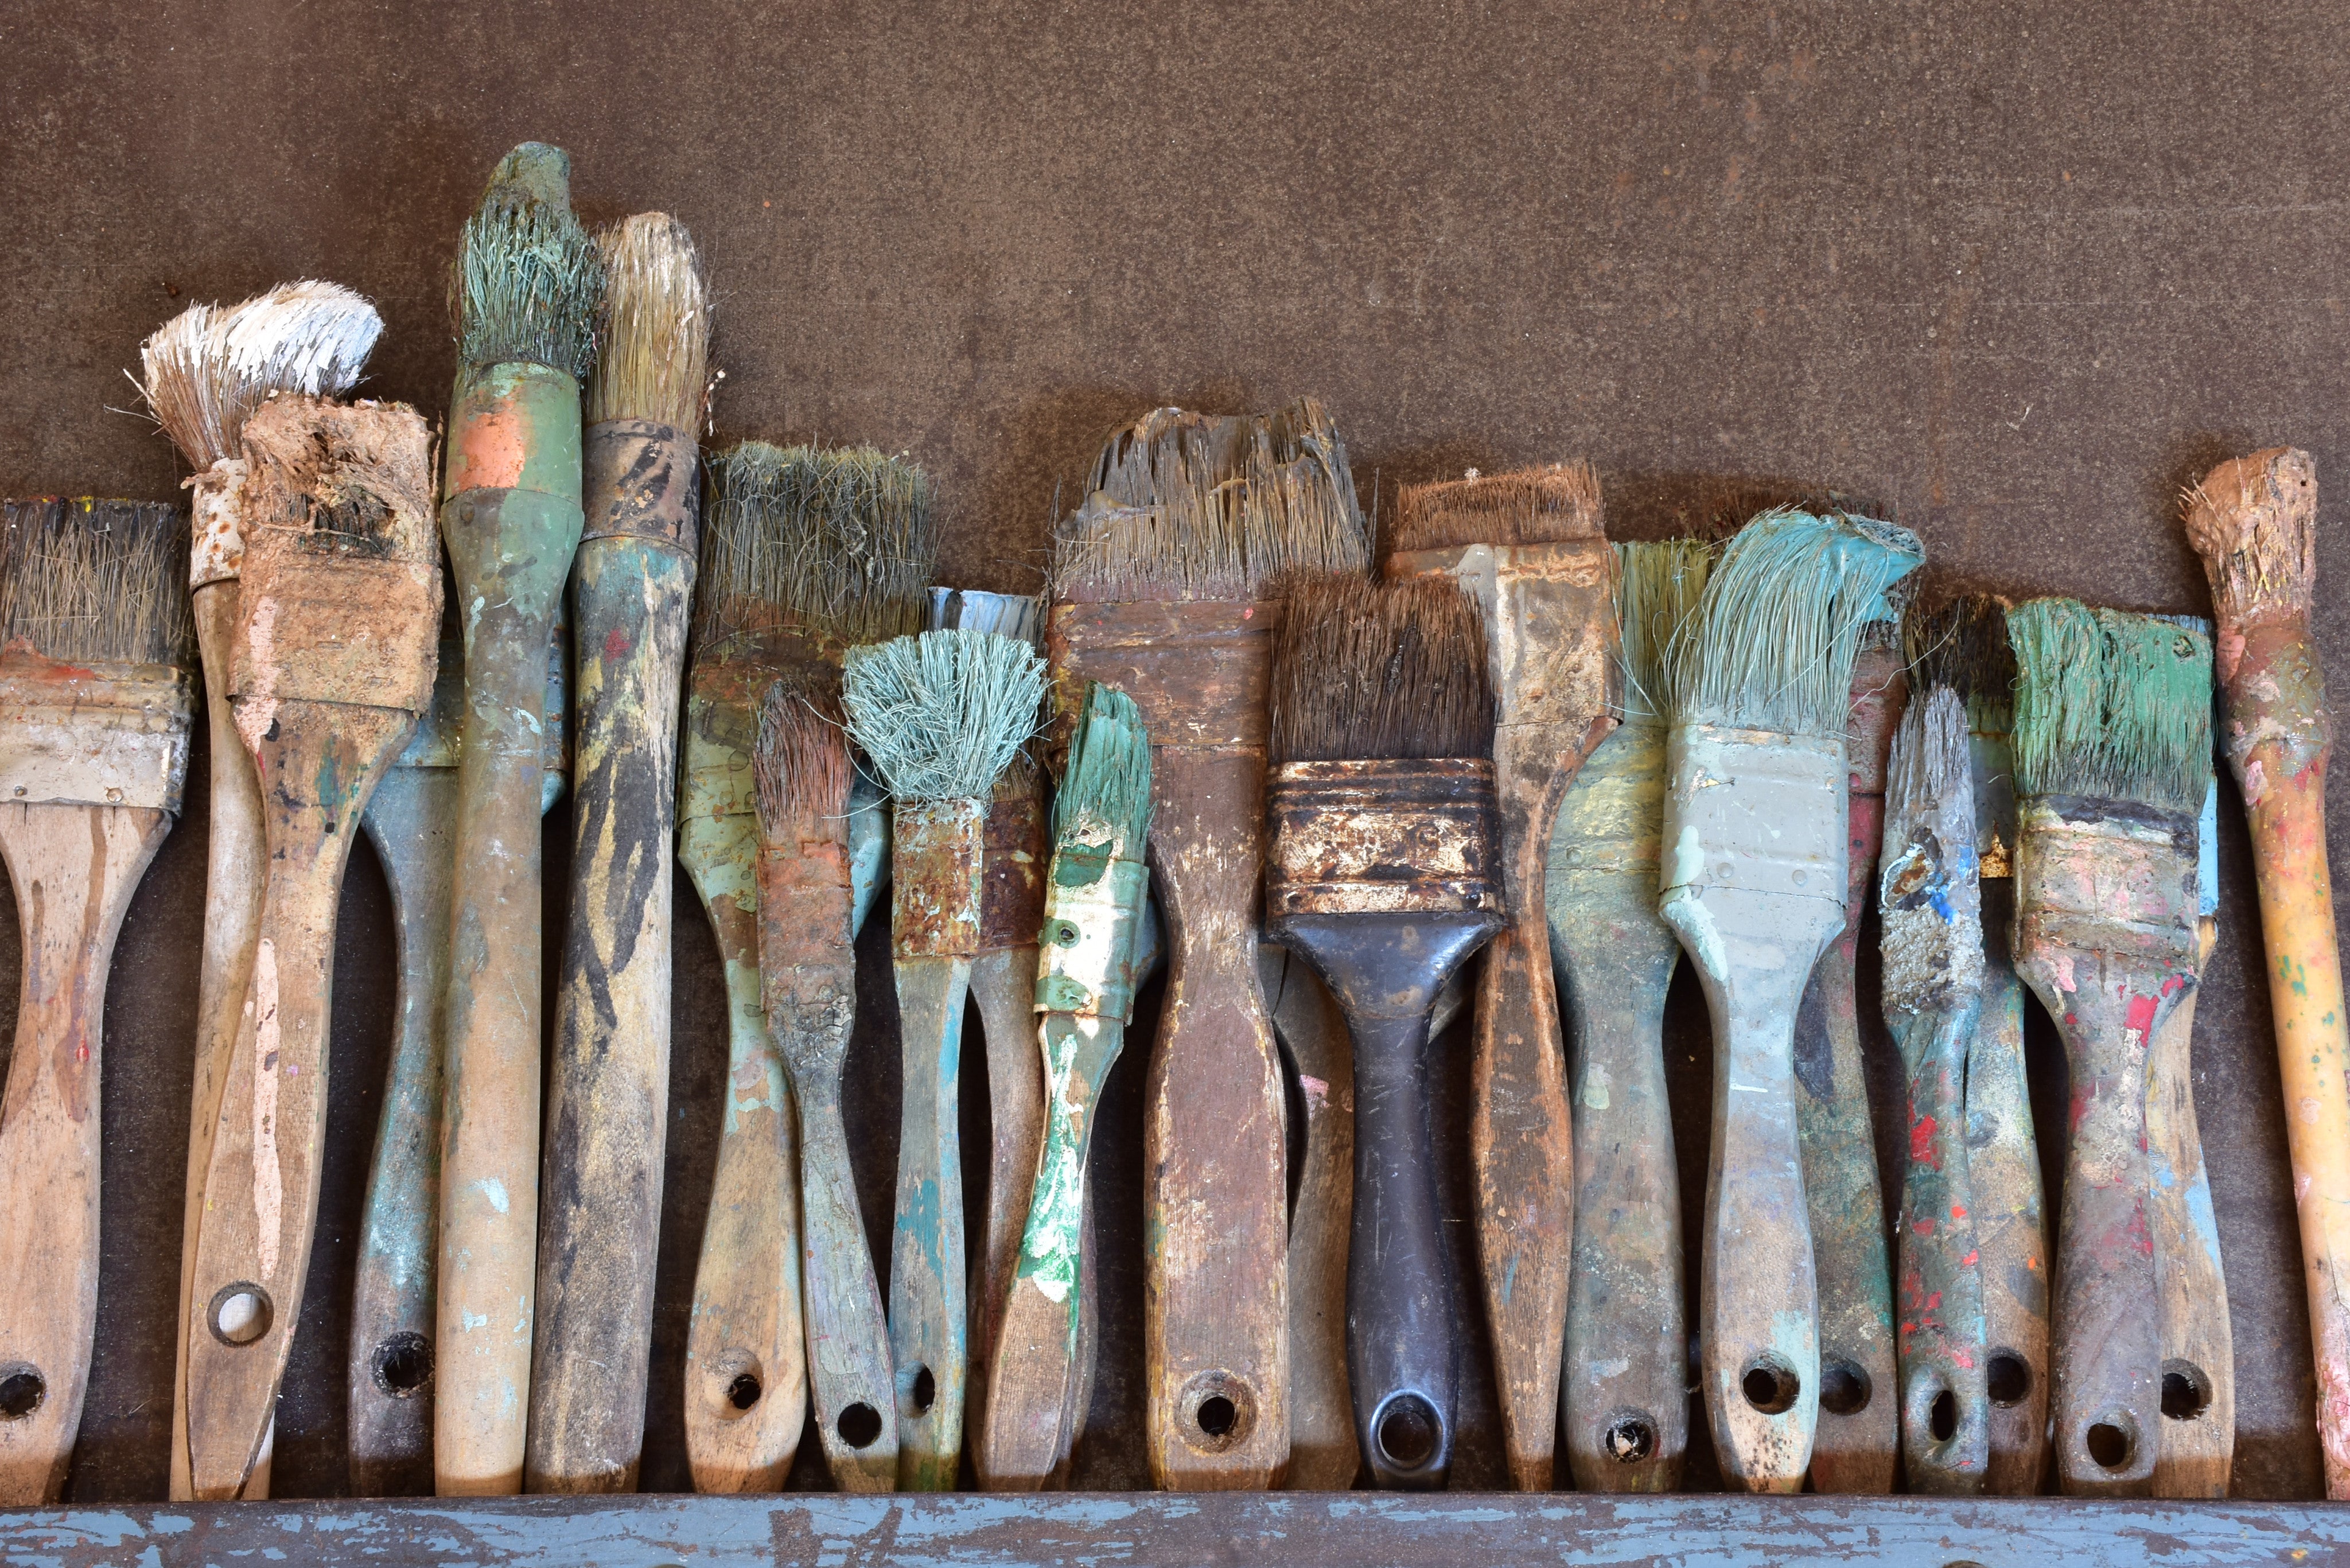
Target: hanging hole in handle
{"x": 401, "y": 1365}
{"x": 2009, "y": 1376}
{"x": 918, "y": 1390}
{"x": 1630, "y": 1437}
{"x": 2186, "y": 1390}
{"x": 22, "y": 1390}
{"x": 1407, "y": 1431}
{"x": 736, "y": 1384}
{"x": 743, "y": 1391}
{"x": 1770, "y": 1385}
{"x": 1844, "y": 1388}
{"x": 1942, "y": 1416}
{"x": 239, "y": 1312}
{"x": 1215, "y": 1411}
{"x": 1217, "y": 1414}
{"x": 2111, "y": 1441}
{"x": 859, "y": 1425}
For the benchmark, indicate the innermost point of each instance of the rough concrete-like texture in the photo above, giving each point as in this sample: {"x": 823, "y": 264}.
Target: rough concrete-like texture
{"x": 2014, "y": 273}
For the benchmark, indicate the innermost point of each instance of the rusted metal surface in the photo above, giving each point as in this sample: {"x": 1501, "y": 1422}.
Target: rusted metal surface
{"x": 1381, "y": 837}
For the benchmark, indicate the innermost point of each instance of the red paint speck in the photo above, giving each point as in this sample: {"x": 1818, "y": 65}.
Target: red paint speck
{"x": 2140, "y": 1016}
{"x": 1922, "y": 1141}
{"x": 616, "y": 643}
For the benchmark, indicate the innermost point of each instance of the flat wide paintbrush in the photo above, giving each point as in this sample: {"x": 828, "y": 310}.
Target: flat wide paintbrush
{"x": 2255, "y": 521}
{"x": 97, "y": 697}
{"x": 1929, "y": 905}
{"x": 1381, "y": 874}
{"x": 2113, "y": 750}
{"x": 1753, "y": 883}
{"x": 203, "y": 374}
{"x": 527, "y": 284}
{"x": 1159, "y": 589}
{"x": 1625, "y": 1395}
{"x": 340, "y": 610}
{"x": 607, "y": 1109}
{"x": 941, "y": 716}
{"x": 805, "y": 554}
{"x": 1095, "y": 900}
{"x": 1528, "y": 547}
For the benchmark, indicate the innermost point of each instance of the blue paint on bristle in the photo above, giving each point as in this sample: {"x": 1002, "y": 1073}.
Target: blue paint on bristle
{"x": 2207, "y": 825}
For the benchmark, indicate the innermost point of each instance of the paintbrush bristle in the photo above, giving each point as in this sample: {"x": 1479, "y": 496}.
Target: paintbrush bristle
{"x": 206, "y": 370}
{"x": 1658, "y": 585}
{"x": 92, "y": 581}
{"x": 1523, "y": 506}
{"x": 351, "y": 480}
{"x": 1184, "y": 506}
{"x": 802, "y": 767}
{"x": 528, "y": 280}
{"x": 1772, "y": 643}
{"x": 2255, "y": 521}
{"x": 1366, "y": 672}
{"x": 654, "y": 362}
{"x": 837, "y": 542}
{"x": 1929, "y": 890}
{"x": 1105, "y": 796}
{"x": 944, "y": 712}
{"x": 2110, "y": 705}
{"x": 1960, "y": 642}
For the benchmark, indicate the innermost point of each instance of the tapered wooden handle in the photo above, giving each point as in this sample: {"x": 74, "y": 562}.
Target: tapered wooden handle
{"x": 928, "y": 1329}
{"x": 74, "y": 868}
{"x": 1003, "y": 989}
{"x": 390, "y": 1372}
{"x": 848, "y": 1338}
{"x": 261, "y": 1193}
{"x": 2003, "y": 1166}
{"x": 1944, "y": 1396}
{"x": 2198, "y": 1443}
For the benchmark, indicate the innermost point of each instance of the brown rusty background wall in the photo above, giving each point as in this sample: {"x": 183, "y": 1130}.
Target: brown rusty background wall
{"x": 2014, "y": 274}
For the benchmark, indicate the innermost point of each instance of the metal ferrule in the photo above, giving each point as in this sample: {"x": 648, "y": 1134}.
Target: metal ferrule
{"x": 1992, "y": 760}
{"x": 642, "y": 481}
{"x": 728, "y": 683}
{"x": 1754, "y": 811}
{"x": 515, "y": 427}
{"x": 1612, "y": 822}
{"x": 1549, "y": 653}
{"x": 1397, "y": 837}
{"x": 1197, "y": 670}
{"x": 94, "y": 735}
{"x": 2106, "y": 877}
{"x": 216, "y": 540}
{"x": 352, "y": 630}
{"x": 1011, "y": 898}
{"x": 934, "y": 874}
{"x": 1091, "y": 933}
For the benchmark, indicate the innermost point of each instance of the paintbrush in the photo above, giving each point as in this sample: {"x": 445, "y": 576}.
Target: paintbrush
{"x": 804, "y": 555}
{"x": 1379, "y": 873}
{"x": 97, "y": 697}
{"x": 202, "y": 373}
{"x": 1096, "y": 895}
{"x": 341, "y": 605}
{"x": 1527, "y": 547}
{"x": 1159, "y": 589}
{"x": 2254, "y": 522}
{"x": 1624, "y": 1399}
{"x": 1929, "y": 904}
{"x": 2113, "y": 750}
{"x": 1857, "y": 1446}
{"x": 526, "y": 290}
{"x": 1758, "y": 686}
{"x": 608, "y": 1110}
{"x": 1962, "y": 644}
{"x": 940, "y": 715}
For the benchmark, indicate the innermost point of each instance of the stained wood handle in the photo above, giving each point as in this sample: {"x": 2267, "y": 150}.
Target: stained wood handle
{"x": 2198, "y": 1446}
{"x": 928, "y": 1328}
{"x": 2003, "y": 1166}
{"x": 1003, "y": 989}
{"x": 74, "y": 868}
{"x": 848, "y": 1338}
{"x": 1945, "y": 1400}
{"x": 261, "y": 1193}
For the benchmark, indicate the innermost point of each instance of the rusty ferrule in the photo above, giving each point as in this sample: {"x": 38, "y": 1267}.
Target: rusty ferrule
{"x": 1396, "y": 837}
{"x": 1012, "y": 891}
{"x": 805, "y": 905}
{"x": 643, "y": 481}
{"x": 1198, "y": 670}
{"x": 515, "y": 427}
{"x": 2106, "y": 877}
{"x": 937, "y": 849}
{"x": 2275, "y": 695}
{"x": 1551, "y": 639}
{"x": 216, "y": 542}
{"x": 94, "y": 735}
{"x": 1092, "y": 926}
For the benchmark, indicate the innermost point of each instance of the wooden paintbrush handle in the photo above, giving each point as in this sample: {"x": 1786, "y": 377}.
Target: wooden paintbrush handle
{"x": 928, "y": 1340}
{"x": 74, "y": 868}
{"x": 1004, "y": 988}
{"x": 2003, "y": 1167}
{"x": 848, "y": 1338}
{"x": 2198, "y": 1443}
{"x": 1944, "y": 1398}
{"x": 261, "y": 1194}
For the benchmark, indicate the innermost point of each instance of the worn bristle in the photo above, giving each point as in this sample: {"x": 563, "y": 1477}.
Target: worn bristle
{"x": 1960, "y": 642}
{"x": 1772, "y": 643}
{"x": 2110, "y": 705}
{"x": 94, "y": 581}
{"x": 654, "y": 362}
{"x": 802, "y": 766}
{"x": 1523, "y": 506}
{"x": 1185, "y": 506}
{"x": 1105, "y": 796}
{"x": 2255, "y": 521}
{"x": 1019, "y": 615}
{"x": 528, "y": 280}
{"x": 339, "y": 479}
{"x": 840, "y": 541}
{"x": 1658, "y": 585}
{"x": 1365, "y": 670}
{"x": 944, "y": 712}
{"x": 206, "y": 370}
{"x": 1930, "y": 887}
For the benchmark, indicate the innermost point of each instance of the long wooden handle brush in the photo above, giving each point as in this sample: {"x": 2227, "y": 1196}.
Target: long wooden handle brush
{"x": 1159, "y": 589}
{"x": 1083, "y": 991}
{"x": 2254, "y": 521}
{"x": 1962, "y": 643}
{"x": 805, "y": 554}
{"x": 1929, "y": 903}
{"x": 1528, "y": 546}
{"x": 335, "y": 659}
{"x": 1759, "y": 682}
{"x": 1625, "y": 1395}
{"x": 608, "y": 1108}
{"x": 1381, "y": 874}
{"x": 941, "y": 716}
{"x": 97, "y": 699}
{"x": 1857, "y": 1448}
{"x": 203, "y": 374}
{"x": 2113, "y": 747}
